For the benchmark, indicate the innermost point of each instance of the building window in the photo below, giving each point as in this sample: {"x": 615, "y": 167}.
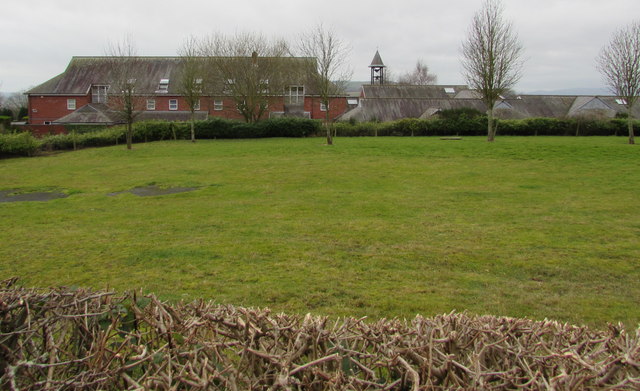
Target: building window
{"x": 323, "y": 107}
{"x": 294, "y": 95}
{"x": 264, "y": 85}
{"x": 151, "y": 104}
{"x": 621, "y": 101}
{"x": 99, "y": 93}
{"x": 71, "y": 104}
{"x": 196, "y": 105}
{"x": 163, "y": 86}
{"x": 217, "y": 105}
{"x": 173, "y": 104}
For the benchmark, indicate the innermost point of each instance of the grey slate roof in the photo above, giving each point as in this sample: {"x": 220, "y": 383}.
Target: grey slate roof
{"x": 98, "y": 113}
{"x": 392, "y": 102}
{"x": 411, "y": 91}
{"x": 83, "y": 72}
{"x": 95, "y": 113}
{"x": 389, "y": 109}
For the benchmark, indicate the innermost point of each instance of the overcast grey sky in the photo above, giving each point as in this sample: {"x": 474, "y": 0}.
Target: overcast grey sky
{"x": 561, "y": 37}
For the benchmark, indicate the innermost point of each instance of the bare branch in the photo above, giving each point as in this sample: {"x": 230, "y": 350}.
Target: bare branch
{"x": 619, "y": 64}
{"x": 419, "y": 76}
{"x": 491, "y": 56}
{"x": 331, "y": 72}
{"x": 125, "y": 76}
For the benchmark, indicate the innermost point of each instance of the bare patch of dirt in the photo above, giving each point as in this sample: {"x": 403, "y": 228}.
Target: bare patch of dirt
{"x": 16, "y": 195}
{"x": 149, "y": 191}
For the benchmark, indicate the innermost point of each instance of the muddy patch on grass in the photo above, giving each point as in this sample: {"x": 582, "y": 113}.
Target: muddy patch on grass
{"x": 16, "y": 195}
{"x": 149, "y": 191}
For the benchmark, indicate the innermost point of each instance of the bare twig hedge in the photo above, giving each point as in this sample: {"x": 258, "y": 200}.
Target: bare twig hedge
{"x": 75, "y": 339}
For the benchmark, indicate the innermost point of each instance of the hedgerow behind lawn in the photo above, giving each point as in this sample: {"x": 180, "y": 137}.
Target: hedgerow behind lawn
{"x": 537, "y": 227}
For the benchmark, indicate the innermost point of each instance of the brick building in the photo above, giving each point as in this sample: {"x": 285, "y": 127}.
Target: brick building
{"x": 82, "y": 94}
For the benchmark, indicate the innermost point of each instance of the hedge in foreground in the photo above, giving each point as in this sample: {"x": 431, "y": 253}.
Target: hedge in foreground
{"x": 77, "y": 339}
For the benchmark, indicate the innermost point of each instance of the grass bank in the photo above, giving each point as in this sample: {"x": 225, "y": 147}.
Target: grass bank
{"x": 537, "y": 227}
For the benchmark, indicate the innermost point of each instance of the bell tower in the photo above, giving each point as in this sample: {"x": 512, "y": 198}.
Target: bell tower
{"x": 377, "y": 70}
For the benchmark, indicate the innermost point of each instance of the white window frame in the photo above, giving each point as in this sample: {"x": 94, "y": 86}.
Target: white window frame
{"x": 196, "y": 106}
{"x": 295, "y": 95}
{"x": 71, "y": 104}
{"x": 151, "y": 104}
{"x": 173, "y": 104}
{"x": 218, "y": 105}
{"x": 99, "y": 93}
{"x": 323, "y": 107}
{"x": 163, "y": 86}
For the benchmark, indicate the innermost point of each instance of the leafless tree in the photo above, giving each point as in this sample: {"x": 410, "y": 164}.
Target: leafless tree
{"x": 191, "y": 81}
{"x": 248, "y": 67}
{"x": 125, "y": 75}
{"x": 419, "y": 76}
{"x": 491, "y": 57}
{"x": 16, "y": 102}
{"x": 331, "y": 73}
{"x": 619, "y": 63}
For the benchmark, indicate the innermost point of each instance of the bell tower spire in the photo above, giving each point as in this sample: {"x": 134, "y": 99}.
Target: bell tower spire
{"x": 377, "y": 70}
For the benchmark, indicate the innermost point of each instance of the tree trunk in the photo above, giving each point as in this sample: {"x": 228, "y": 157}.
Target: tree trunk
{"x": 129, "y": 134}
{"x": 193, "y": 131}
{"x": 491, "y": 132}
{"x": 630, "y": 125}
{"x": 327, "y": 124}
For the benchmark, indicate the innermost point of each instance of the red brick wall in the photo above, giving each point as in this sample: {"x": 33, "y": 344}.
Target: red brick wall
{"x": 50, "y": 108}
{"x": 337, "y": 106}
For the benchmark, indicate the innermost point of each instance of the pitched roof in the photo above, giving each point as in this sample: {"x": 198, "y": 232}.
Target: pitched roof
{"x": 83, "y": 72}
{"x": 99, "y": 113}
{"x": 377, "y": 61}
{"x": 389, "y": 109}
{"x": 410, "y": 91}
{"x": 94, "y": 113}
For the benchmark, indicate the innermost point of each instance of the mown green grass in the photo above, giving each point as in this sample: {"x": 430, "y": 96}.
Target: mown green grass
{"x": 379, "y": 227}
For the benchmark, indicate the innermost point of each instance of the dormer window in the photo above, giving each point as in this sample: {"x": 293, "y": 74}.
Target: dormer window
{"x": 99, "y": 93}
{"x": 163, "y": 86}
{"x": 294, "y": 95}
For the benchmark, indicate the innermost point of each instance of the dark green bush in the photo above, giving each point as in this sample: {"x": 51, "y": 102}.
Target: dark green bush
{"x": 100, "y": 138}
{"x": 462, "y": 124}
{"x": 160, "y": 130}
{"x": 289, "y": 127}
{"x": 5, "y": 122}
{"x": 19, "y": 144}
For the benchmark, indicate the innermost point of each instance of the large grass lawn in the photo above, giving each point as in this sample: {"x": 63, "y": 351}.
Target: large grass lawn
{"x": 379, "y": 227}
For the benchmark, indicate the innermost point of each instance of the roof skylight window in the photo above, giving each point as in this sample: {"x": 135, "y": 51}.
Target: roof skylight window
{"x": 164, "y": 85}
{"x": 450, "y": 90}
